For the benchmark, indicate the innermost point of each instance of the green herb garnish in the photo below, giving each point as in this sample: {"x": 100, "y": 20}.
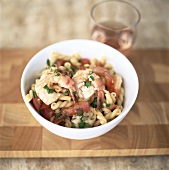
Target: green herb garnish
{"x": 83, "y": 124}
{"x": 48, "y": 62}
{"x": 88, "y": 84}
{"x": 48, "y": 89}
{"x": 80, "y": 111}
{"x": 80, "y": 114}
{"x": 57, "y": 70}
{"x": 94, "y": 104}
{"x": 92, "y": 78}
{"x": 73, "y": 69}
{"x": 87, "y": 125}
{"x": 75, "y": 92}
{"x": 66, "y": 93}
{"x": 107, "y": 105}
{"x": 85, "y": 118}
{"x": 58, "y": 74}
{"x": 34, "y": 94}
{"x": 73, "y": 125}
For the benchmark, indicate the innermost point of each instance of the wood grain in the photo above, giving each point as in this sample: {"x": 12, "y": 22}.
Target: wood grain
{"x": 145, "y": 130}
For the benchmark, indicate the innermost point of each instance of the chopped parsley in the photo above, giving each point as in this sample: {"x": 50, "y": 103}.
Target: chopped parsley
{"x": 94, "y": 104}
{"x": 48, "y": 89}
{"x": 75, "y": 92}
{"x": 73, "y": 125}
{"x": 83, "y": 124}
{"x": 80, "y": 111}
{"x": 85, "y": 118}
{"x": 58, "y": 74}
{"x": 80, "y": 114}
{"x": 66, "y": 93}
{"x": 92, "y": 78}
{"x": 34, "y": 94}
{"x": 87, "y": 125}
{"x": 81, "y": 90}
{"x": 48, "y": 62}
{"x": 57, "y": 70}
{"x": 107, "y": 105}
{"x": 73, "y": 69}
{"x": 88, "y": 84}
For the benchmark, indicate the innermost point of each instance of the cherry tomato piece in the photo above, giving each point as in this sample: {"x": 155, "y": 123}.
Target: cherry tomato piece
{"x": 37, "y": 103}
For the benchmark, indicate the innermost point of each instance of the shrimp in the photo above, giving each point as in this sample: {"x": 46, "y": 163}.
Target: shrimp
{"x": 113, "y": 83}
{"x": 47, "y": 94}
{"x": 87, "y": 82}
{"x": 79, "y": 107}
{"x": 117, "y": 84}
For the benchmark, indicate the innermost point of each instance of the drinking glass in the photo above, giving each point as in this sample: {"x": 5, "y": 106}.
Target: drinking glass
{"x": 114, "y": 23}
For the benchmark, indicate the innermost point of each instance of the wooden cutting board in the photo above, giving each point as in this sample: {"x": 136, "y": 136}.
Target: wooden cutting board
{"x": 145, "y": 130}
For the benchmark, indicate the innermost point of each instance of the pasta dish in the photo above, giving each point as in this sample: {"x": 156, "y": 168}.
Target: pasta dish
{"x": 77, "y": 92}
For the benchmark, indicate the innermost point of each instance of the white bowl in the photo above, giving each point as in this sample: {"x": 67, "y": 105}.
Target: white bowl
{"x": 87, "y": 49}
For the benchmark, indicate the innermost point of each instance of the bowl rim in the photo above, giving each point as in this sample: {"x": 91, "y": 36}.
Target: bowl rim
{"x": 118, "y": 118}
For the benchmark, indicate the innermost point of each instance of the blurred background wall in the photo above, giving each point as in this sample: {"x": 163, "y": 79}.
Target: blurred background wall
{"x": 38, "y": 23}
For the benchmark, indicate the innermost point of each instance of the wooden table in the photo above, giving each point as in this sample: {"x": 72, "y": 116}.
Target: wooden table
{"x": 145, "y": 130}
